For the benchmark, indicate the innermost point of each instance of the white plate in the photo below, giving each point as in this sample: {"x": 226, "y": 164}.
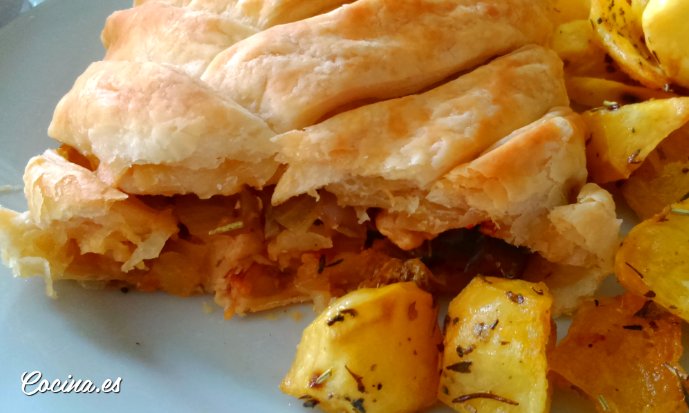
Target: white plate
{"x": 170, "y": 354}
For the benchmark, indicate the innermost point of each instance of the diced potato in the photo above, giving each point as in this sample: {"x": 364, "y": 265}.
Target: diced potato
{"x": 654, "y": 259}
{"x": 568, "y": 10}
{"x": 592, "y": 92}
{"x": 618, "y": 26}
{"x": 662, "y": 179}
{"x": 622, "y": 136}
{"x": 623, "y": 353}
{"x": 665, "y": 26}
{"x": 494, "y": 357}
{"x": 575, "y": 43}
{"x": 373, "y": 350}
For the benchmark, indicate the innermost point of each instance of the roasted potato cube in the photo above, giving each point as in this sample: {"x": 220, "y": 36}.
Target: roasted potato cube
{"x": 575, "y": 43}
{"x": 654, "y": 259}
{"x": 622, "y": 136}
{"x": 494, "y": 357}
{"x": 665, "y": 26}
{"x": 662, "y": 179}
{"x": 619, "y": 29}
{"x": 623, "y": 353}
{"x": 373, "y": 350}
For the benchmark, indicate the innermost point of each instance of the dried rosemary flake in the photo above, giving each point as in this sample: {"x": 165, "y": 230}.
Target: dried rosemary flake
{"x": 358, "y": 405}
{"x": 227, "y": 228}
{"x": 321, "y": 379}
{"x": 336, "y": 319}
{"x": 350, "y": 311}
{"x": 603, "y": 403}
{"x": 635, "y": 327}
{"x": 632, "y": 159}
{"x": 645, "y": 310}
{"x": 321, "y": 264}
{"x": 341, "y": 316}
{"x": 334, "y": 263}
{"x": 461, "y": 352}
{"x": 486, "y": 395}
{"x": 680, "y": 211}
{"x": 634, "y": 269}
{"x": 461, "y": 367}
{"x": 611, "y": 105}
{"x": 482, "y": 330}
{"x": 309, "y": 401}
{"x": 515, "y": 298}
{"x": 358, "y": 379}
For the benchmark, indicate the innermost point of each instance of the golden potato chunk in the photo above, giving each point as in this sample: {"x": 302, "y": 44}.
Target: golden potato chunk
{"x": 654, "y": 259}
{"x": 622, "y": 136}
{"x": 575, "y": 43}
{"x": 619, "y": 29}
{"x": 665, "y": 26}
{"x": 373, "y": 350}
{"x": 662, "y": 179}
{"x": 494, "y": 357}
{"x": 623, "y": 353}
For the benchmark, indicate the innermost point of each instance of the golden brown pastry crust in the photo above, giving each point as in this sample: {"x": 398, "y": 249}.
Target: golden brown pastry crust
{"x": 370, "y": 155}
{"x": 184, "y": 38}
{"x": 293, "y": 75}
{"x": 147, "y": 119}
{"x": 72, "y": 213}
{"x": 260, "y": 14}
{"x": 523, "y": 176}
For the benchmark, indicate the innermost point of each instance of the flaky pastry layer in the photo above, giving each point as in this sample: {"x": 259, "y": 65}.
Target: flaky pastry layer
{"x": 295, "y": 74}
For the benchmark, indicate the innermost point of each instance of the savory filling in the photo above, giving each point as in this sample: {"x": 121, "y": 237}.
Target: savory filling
{"x": 254, "y": 256}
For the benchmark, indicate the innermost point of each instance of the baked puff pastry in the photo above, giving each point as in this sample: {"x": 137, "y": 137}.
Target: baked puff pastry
{"x": 375, "y": 155}
{"x": 78, "y": 225}
{"x": 529, "y": 190}
{"x": 154, "y": 130}
{"x": 260, "y": 14}
{"x": 295, "y": 74}
{"x": 183, "y": 38}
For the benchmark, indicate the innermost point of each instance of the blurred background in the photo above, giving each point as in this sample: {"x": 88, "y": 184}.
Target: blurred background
{"x": 9, "y": 9}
